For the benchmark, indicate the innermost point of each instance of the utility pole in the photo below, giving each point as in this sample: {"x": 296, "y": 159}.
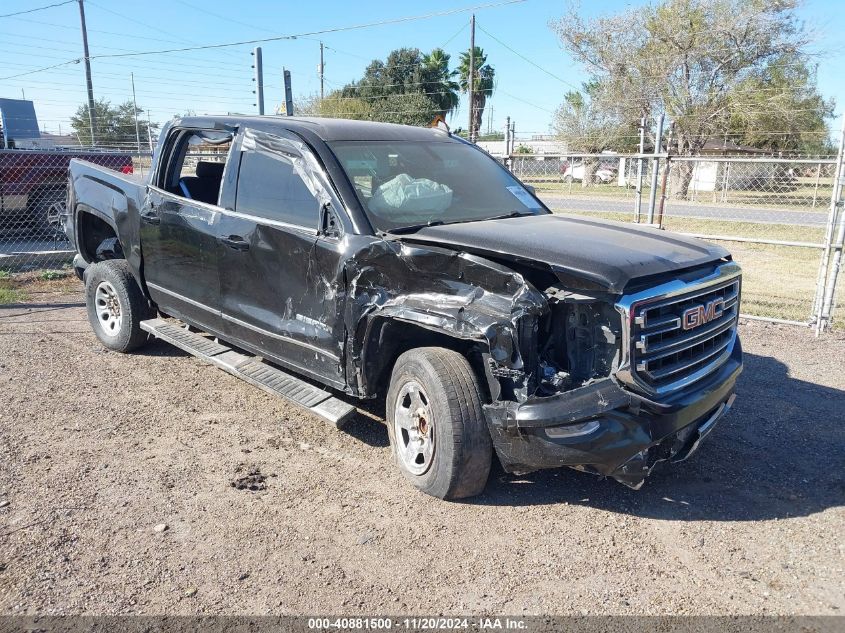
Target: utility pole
{"x": 288, "y": 92}
{"x": 150, "y": 133}
{"x": 321, "y": 72}
{"x": 513, "y": 136}
{"x": 92, "y": 118}
{"x": 471, "y": 78}
{"x": 259, "y": 79}
{"x": 135, "y": 112}
{"x": 508, "y": 142}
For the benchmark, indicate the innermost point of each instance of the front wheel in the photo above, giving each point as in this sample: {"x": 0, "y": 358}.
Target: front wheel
{"x": 436, "y": 424}
{"x": 116, "y": 305}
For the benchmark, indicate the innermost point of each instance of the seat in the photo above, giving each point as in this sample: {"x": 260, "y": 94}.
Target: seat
{"x": 205, "y": 186}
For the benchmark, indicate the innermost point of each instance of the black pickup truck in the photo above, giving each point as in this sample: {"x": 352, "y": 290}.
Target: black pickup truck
{"x": 379, "y": 260}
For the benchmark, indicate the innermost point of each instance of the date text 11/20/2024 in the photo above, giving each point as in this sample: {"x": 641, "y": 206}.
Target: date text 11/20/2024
{"x": 418, "y": 623}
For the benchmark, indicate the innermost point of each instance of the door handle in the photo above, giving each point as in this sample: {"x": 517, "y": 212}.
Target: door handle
{"x": 236, "y": 242}
{"x": 150, "y": 218}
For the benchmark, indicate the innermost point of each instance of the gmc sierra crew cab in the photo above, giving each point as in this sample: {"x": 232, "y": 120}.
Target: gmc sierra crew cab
{"x": 346, "y": 259}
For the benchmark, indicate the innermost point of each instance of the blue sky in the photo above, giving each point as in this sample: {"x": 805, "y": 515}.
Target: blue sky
{"x": 220, "y": 80}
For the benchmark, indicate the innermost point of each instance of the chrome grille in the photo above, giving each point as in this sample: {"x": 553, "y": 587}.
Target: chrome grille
{"x": 680, "y": 337}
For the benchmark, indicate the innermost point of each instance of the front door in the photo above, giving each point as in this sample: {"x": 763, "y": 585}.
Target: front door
{"x": 179, "y": 228}
{"x": 279, "y": 278}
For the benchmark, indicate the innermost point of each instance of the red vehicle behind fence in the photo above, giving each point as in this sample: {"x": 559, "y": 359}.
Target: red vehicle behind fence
{"x": 33, "y": 184}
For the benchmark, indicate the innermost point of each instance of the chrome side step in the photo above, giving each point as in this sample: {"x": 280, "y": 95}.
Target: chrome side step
{"x": 255, "y": 372}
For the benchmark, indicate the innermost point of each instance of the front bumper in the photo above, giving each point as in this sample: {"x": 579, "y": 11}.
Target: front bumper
{"x": 608, "y": 430}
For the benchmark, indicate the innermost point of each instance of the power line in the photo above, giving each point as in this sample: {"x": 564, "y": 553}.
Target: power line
{"x": 338, "y": 29}
{"x": 49, "y": 6}
{"x": 523, "y": 57}
{"x": 38, "y": 70}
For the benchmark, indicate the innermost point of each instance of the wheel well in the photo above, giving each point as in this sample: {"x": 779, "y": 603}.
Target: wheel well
{"x": 93, "y": 231}
{"x": 389, "y": 339}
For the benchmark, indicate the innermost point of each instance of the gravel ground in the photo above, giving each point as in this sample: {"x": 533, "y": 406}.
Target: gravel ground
{"x": 153, "y": 483}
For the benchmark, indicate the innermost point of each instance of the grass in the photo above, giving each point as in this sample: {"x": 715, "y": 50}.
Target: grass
{"x": 10, "y": 295}
{"x": 52, "y": 275}
{"x": 18, "y": 287}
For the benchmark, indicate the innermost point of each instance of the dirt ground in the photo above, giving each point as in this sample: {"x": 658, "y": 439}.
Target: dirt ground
{"x": 153, "y": 484}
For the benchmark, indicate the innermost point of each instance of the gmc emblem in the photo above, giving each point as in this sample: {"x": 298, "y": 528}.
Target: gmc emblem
{"x": 701, "y": 314}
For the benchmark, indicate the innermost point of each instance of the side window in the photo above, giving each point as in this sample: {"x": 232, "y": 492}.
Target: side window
{"x": 196, "y": 164}
{"x": 270, "y": 186}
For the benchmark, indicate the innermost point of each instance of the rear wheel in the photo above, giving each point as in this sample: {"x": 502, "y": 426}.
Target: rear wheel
{"x": 45, "y": 213}
{"x": 116, "y": 305}
{"x": 436, "y": 424}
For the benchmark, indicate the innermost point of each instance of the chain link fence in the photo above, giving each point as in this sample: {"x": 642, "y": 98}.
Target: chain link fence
{"x": 33, "y": 190}
{"x": 775, "y": 215}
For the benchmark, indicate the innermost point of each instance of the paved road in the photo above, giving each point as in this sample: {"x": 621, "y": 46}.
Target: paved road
{"x": 765, "y": 215}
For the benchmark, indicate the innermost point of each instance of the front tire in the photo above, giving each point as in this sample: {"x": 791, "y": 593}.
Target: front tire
{"x": 436, "y": 425}
{"x": 116, "y": 306}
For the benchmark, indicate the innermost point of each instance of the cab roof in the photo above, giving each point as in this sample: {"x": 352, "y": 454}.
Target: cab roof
{"x": 324, "y": 128}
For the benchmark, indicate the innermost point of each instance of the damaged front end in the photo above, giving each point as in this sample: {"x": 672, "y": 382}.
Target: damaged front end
{"x": 576, "y": 375}
{"x": 619, "y": 383}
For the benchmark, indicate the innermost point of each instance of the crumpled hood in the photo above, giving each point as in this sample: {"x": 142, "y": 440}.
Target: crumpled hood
{"x": 608, "y": 253}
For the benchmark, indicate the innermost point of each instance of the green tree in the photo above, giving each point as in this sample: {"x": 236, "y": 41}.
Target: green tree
{"x": 781, "y": 110}
{"x": 589, "y": 127}
{"x": 114, "y": 125}
{"x": 438, "y": 81}
{"x": 400, "y": 73}
{"x": 687, "y": 58}
{"x": 408, "y": 109}
{"x": 408, "y": 87}
{"x": 334, "y": 105}
{"x": 483, "y": 83}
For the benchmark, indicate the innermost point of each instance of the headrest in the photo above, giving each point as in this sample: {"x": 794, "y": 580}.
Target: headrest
{"x": 207, "y": 169}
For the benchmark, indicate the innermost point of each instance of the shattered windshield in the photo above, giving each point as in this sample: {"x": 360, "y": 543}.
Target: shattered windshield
{"x": 404, "y": 184}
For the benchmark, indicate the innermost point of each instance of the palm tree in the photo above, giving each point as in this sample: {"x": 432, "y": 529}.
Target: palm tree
{"x": 437, "y": 81}
{"x": 482, "y": 83}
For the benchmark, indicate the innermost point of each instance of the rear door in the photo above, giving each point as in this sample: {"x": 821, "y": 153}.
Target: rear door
{"x": 178, "y": 227}
{"x": 280, "y": 278}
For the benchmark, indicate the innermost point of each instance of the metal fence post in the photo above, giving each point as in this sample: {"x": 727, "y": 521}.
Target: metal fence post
{"x": 835, "y": 206}
{"x": 833, "y": 274}
{"x": 652, "y": 196}
{"x": 638, "y": 203}
{"x": 816, "y": 187}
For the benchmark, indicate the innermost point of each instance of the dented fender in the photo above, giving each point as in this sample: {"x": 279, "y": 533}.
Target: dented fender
{"x": 453, "y": 293}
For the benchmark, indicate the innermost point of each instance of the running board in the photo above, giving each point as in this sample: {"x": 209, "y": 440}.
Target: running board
{"x": 248, "y": 368}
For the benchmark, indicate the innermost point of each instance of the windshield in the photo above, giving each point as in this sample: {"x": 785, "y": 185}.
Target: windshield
{"x": 404, "y": 184}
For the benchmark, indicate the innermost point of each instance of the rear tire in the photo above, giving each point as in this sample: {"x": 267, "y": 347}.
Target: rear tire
{"x": 436, "y": 425}
{"x": 116, "y": 305}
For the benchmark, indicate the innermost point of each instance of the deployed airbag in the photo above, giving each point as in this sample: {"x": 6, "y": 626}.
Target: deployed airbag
{"x": 410, "y": 197}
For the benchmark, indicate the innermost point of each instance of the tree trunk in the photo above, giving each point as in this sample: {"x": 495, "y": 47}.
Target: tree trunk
{"x": 591, "y": 166}
{"x": 679, "y": 179}
{"x": 478, "y": 113}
